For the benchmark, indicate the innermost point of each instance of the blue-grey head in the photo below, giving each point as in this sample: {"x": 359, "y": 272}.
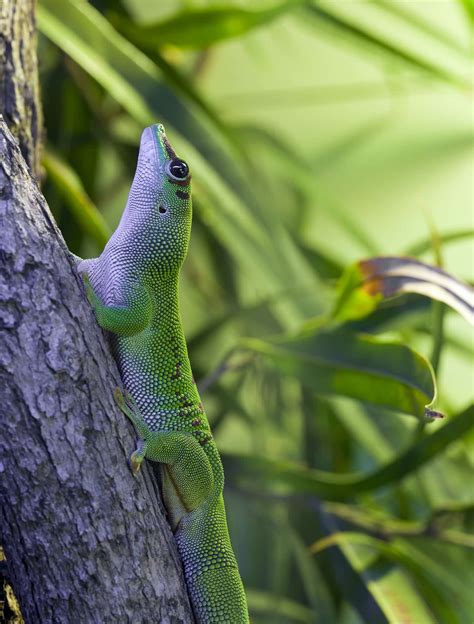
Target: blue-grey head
{"x": 158, "y": 212}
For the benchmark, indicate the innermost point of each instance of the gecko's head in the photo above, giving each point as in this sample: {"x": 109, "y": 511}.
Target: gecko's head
{"x": 160, "y": 202}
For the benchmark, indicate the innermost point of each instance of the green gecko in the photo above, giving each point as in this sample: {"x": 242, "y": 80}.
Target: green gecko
{"x": 133, "y": 289}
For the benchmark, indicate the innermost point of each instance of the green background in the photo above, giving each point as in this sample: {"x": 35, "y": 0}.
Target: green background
{"x": 318, "y": 134}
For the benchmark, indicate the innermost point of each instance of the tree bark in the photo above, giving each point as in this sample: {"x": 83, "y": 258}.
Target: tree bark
{"x": 19, "y": 85}
{"x": 85, "y": 541}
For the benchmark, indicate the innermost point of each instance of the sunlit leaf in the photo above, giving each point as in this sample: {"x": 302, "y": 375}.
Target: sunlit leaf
{"x": 369, "y": 282}
{"x": 331, "y": 15}
{"x": 468, "y": 6}
{"x": 448, "y": 597}
{"x": 361, "y": 367}
{"x": 402, "y": 10}
{"x": 392, "y": 589}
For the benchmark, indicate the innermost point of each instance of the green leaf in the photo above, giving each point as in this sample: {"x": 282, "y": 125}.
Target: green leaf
{"x": 254, "y": 472}
{"x": 402, "y": 11}
{"x": 448, "y": 595}
{"x": 331, "y": 15}
{"x": 365, "y": 368}
{"x": 200, "y": 28}
{"x": 449, "y": 237}
{"x": 313, "y": 583}
{"x": 270, "y": 605}
{"x": 75, "y": 197}
{"x": 368, "y": 282}
{"x": 447, "y": 571}
{"x": 468, "y": 6}
{"x": 86, "y": 36}
{"x": 385, "y": 525}
{"x": 132, "y": 79}
{"x": 390, "y": 586}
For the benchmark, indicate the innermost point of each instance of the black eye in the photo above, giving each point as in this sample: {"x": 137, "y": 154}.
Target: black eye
{"x": 177, "y": 169}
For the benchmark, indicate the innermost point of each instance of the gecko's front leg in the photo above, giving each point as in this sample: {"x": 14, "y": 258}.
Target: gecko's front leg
{"x": 131, "y": 317}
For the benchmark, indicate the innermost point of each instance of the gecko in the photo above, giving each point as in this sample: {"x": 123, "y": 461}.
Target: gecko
{"x": 133, "y": 289}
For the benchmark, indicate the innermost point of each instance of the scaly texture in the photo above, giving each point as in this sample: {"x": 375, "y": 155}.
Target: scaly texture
{"x": 133, "y": 288}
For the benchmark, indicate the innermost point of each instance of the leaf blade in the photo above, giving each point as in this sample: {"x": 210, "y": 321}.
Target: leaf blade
{"x": 203, "y": 27}
{"x": 368, "y": 282}
{"x": 358, "y": 366}
{"x": 252, "y": 471}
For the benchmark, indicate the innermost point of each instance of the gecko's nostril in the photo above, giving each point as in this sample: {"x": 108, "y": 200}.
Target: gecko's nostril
{"x": 162, "y": 209}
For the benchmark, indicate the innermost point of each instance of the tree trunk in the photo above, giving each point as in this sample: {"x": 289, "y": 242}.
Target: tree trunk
{"x": 85, "y": 541}
{"x": 19, "y": 85}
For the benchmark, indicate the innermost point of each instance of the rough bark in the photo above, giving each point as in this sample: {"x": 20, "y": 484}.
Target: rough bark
{"x": 19, "y": 85}
{"x": 85, "y": 541}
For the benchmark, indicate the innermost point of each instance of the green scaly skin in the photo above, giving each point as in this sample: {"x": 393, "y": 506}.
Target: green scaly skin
{"x": 133, "y": 289}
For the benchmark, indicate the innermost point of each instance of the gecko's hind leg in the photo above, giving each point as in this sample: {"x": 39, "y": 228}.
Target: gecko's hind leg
{"x": 129, "y": 408}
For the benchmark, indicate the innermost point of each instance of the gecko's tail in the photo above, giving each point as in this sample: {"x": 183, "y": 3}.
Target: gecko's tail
{"x": 210, "y": 567}
{"x": 218, "y": 596}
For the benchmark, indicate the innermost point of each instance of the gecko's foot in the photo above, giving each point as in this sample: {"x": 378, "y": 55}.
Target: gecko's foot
{"x": 126, "y": 403}
{"x": 135, "y": 461}
{"x": 138, "y": 455}
{"x": 128, "y": 406}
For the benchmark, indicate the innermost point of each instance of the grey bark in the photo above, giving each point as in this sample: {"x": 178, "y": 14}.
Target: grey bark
{"x": 19, "y": 85}
{"x": 85, "y": 541}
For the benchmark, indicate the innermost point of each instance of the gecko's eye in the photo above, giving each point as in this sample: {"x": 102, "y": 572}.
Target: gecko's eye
{"x": 177, "y": 169}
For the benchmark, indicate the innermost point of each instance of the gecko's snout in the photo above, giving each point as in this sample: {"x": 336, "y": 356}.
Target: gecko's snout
{"x": 147, "y": 150}
{"x": 154, "y": 143}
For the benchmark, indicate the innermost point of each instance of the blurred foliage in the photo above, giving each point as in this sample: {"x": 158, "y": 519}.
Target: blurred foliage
{"x": 319, "y": 133}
